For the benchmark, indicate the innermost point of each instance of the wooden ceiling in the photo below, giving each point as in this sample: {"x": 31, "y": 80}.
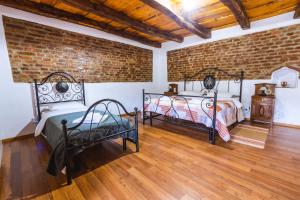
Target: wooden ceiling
{"x": 152, "y": 22}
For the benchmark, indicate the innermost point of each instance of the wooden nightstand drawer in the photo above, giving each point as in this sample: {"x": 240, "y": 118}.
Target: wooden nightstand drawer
{"x": 262, "y": 108}
{"x": 264, "y": 100}
{"x": 170, "y": 93}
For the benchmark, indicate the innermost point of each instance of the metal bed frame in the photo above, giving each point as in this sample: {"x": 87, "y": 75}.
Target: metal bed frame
{"x": 61, "y": 87}
{"x": 212, "y": 78}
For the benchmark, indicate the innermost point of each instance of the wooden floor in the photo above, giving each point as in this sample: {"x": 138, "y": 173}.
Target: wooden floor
{"x": 173, "y": 163}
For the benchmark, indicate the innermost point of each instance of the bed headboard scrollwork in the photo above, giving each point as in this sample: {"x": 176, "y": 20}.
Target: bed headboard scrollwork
{"x": 211, "y": 77}
{"x": 58, "y": 87}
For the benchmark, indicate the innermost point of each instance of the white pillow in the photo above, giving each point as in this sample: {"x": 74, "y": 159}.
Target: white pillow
{"x": 45, "y": 108}
{"x": 221, "y": 95}
{"x": 224, "y": 95}
{"x": 211, "y": 93}
{"x": 65, "y": 106}
{"x": 190, "y": 93}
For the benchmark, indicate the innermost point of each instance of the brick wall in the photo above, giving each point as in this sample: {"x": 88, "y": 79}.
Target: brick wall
{"x": 36, "y": 50}
{"x": 257, "y": 54}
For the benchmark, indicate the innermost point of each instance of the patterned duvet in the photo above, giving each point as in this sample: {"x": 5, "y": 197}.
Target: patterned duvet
{"x": 228, "y": 111}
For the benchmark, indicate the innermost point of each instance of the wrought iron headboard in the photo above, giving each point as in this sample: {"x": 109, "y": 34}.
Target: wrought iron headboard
{"x": 58, "y": 87}
{"x": 211, "y": 78}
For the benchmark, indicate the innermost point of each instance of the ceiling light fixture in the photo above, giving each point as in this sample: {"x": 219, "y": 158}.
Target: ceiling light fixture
{"x": 166, "y": 3}
{"x": 189, "y": 5}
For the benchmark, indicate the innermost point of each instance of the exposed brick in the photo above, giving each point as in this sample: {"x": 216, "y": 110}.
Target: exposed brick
{"x": 257, "y": 54}
{"x": 36, "y": 50}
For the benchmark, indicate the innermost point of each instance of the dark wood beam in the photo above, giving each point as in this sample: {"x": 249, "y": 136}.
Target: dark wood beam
{"x": 49, "y": 11}
{"x": 239, "y": 12}
{"x": 185, "y": 23}
{"x": 297, "y": 11}
{"x": 120, "y": 17}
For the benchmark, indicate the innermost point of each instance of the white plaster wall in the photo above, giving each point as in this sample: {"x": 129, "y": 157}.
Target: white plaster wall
{"x": 15, "y": 102}
{"x": 236, "y": 31}
{"x": 16, "y": 107}
{"x": 1, "y": 152}
{"x": 287, "y": 106}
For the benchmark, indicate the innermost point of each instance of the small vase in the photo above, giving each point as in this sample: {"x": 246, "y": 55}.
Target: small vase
{"x": 283, "y": 84}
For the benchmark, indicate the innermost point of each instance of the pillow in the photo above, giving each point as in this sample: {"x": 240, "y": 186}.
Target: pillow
{"x": 224, "y": 95}
{"x": 190, "y": 93}
{"x": 45, "y": 108}
{"x": 65, "y": 106}
{"x": 221, "y": 95}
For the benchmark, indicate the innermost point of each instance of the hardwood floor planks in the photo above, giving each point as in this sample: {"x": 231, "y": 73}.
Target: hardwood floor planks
{"x": 173, "y": 163}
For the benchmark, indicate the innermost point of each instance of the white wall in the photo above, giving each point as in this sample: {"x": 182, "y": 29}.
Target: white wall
{"x": 16, "y": 107}
{"x": 15, "y": 102}
{"x": 236, "y": 31}
{"x": 1, "y": 152}
{"x": 287, "y": 108}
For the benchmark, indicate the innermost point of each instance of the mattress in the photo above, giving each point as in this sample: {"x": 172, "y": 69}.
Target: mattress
{"x": 199, "y": 110}
{"x": 86, "y": 133}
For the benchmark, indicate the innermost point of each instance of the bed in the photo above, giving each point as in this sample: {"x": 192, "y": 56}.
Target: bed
{"x": 206, "y": 108}
{"x": 70, "y": 127}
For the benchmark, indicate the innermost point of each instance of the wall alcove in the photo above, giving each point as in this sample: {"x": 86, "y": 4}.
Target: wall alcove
{"x": 285, "y": 77}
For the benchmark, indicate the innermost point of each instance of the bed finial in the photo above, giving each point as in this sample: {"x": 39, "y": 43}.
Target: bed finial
{"x": 241, "y": 85}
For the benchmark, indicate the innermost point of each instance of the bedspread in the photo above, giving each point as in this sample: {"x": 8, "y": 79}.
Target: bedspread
{"x": 228, "y": 111}
{"x": 86, "y": 133}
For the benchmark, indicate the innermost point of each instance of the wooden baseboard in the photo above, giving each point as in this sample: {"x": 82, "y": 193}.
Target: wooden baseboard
{"x": 281, "y": 124}
{"x": 287, "y": 125}
{"x": 17, "y": 138}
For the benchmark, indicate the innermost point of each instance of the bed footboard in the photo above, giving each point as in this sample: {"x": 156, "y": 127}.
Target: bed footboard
{"x": 170, "y": 114}
{"x": 104, "y": 120}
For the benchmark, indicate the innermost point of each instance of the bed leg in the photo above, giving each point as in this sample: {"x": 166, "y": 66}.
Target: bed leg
{"x": 67, "y": 157}
{"x": 136, "y": 122}
{"x": 69, "y": 175}
{"x": 213, "y": 131}
{"x": 213, "y": 137}
{"x": 124, "y": 144}
{"x": 143, "y": 110}
{"x": 210, "y": 135}
{"x": 150, "y": 117}
{"x": 144, "y": 117}
{"x": 137, "y": 146}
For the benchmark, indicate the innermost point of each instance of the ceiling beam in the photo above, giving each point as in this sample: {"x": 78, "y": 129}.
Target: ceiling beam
{"x": 239, "y": 12}
{"x": 49, "y": 11}
{"x": 106, "y": 12}
{"x": 185, "y": 23}
{"x": 297, "y": 11}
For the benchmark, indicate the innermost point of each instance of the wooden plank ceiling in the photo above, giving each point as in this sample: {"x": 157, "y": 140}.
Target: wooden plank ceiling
{"x": 152, "y": 22}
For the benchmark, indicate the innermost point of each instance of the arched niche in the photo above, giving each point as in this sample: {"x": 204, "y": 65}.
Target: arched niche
{"x": 285, "y": 77}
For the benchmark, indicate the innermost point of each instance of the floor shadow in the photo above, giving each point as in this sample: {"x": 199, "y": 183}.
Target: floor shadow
{"x": 182, "y": 130}
{"x": 26, "y": 177}
{"x": 191, "y": 132}
{"x": 98, "y": 156}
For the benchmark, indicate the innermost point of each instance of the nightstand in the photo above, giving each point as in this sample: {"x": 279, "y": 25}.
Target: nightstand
{"x": 262, "y": 108}
{"x": 170, "y": 93}
{"x": 263, "y": 103}
{"x": 173, "y": 90}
